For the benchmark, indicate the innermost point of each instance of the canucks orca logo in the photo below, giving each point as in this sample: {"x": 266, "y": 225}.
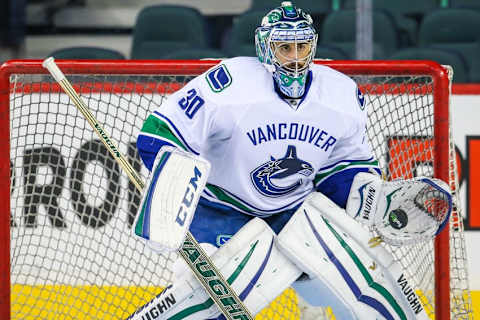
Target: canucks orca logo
{"x": 279, "y": 177}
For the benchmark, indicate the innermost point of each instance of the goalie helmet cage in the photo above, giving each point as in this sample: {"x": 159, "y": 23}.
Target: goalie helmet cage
{"x": 66, "y": 249}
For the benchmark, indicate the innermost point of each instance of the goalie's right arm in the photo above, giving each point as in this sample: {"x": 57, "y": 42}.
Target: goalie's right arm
{"x": 170, "y": 198}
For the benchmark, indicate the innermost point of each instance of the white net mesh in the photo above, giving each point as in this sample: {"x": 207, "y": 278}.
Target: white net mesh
{"x": 72, "y": 255}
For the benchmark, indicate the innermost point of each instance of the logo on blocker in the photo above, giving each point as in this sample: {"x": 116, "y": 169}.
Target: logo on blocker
{"x": 188, "y": 197}
{"x": 219, "y": 78}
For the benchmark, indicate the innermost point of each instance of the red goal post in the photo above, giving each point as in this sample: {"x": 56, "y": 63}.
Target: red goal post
{"x": 402, "y": 90}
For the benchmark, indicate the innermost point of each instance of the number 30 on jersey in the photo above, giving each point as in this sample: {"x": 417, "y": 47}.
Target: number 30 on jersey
{"x": 191, "y": 103}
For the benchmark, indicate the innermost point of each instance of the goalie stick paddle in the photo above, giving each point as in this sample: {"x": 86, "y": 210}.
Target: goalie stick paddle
{"x": 225, "y": 298}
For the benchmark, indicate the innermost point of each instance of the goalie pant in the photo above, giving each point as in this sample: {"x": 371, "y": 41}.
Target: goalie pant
{"x": 357, "y": 281}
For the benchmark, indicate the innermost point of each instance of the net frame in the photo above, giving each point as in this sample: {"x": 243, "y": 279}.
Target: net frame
{"x": 442, "y": 147}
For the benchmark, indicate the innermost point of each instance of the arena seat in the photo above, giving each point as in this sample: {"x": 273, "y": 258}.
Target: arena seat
{"x": 312, "y": 7}
{"x": 90, "y": 53}
{"x": 407, "y": 26}
{"x": 164, "y": 29}
{"x": 470, "y": 4}
{"x": 442, "y": 56}
{"x": 407, "y": 15}
{"x": 339, "y": 30}
{"x": 240, "y": 40}
{"x": 318, "y": 9}
{"x": 188, "y": 54}
{"x": 412, "y": 8}
{"x": 331, "y": 52}
{"x": 454, "y": 29}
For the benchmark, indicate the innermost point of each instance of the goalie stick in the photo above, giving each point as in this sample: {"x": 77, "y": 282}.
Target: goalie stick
{"x": 226, "y": 299}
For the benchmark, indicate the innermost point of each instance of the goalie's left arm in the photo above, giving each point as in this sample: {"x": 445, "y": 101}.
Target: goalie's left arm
{"x": 401, "y": 211}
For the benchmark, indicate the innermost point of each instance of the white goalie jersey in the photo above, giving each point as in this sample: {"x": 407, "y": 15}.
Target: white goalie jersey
{"x": 266, "y": 155}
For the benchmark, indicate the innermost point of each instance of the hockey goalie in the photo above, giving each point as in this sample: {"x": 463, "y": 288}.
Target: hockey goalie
{"x": 267, "y": 163}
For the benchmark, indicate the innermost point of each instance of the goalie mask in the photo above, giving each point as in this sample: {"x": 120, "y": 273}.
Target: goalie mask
{"x": 286, "y": 42}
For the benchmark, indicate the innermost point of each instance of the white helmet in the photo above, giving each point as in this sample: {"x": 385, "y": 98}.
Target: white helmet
{"x": 286, "y": 42}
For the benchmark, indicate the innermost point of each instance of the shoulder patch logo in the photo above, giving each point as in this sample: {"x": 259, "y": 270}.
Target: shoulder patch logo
{"x": 219, "y": 78}
{"x": 361, "y": 99}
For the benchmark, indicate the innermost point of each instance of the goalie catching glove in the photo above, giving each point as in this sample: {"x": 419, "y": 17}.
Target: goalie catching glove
{"x": 170, "y": 198}
{"x": 402, "y": 211}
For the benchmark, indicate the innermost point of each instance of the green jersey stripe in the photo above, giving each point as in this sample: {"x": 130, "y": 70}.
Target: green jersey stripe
{"x": 221, "y": 195}
{"x": 358, "y": 164}
{"x": 160, "y": 129}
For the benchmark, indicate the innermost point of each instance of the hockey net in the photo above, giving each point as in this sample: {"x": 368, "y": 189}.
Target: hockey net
{"x": 67, "y": 250}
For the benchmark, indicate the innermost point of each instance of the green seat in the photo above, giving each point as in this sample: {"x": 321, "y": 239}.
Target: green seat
{"x": 454, "y": 29}
{"x": 240, "y": 41}
{"x": 311, "y": 7}
{"x": 471, "y": 4}
{"x": 413, "y": 8}
{"x": 331, "y": 52}
{"x": 158, "y": 49}
{"x": 350, "y": 49}
{"x": 318, "y": 9}
{"x": 164, "y": 29}
{"x": 407, "y": 28}
{"x": 450, "y": 25}
{"x": 314, "y": 7}
{"x": 406, "y": 17}
{"x": 195, "y": 54}
{"x": 339, "y": 29}
{"x": 442, "y": 56}
{"x": 90, "y": 53}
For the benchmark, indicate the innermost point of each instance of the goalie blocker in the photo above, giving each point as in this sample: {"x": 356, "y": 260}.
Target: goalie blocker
{"x": 169, "y": 202}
